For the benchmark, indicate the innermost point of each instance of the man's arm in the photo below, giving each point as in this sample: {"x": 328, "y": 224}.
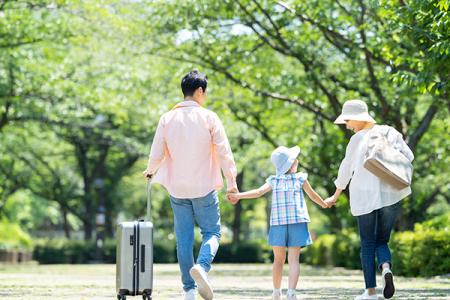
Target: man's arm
{"x": 157, "y": 152}
{"x": 220, "y": 140}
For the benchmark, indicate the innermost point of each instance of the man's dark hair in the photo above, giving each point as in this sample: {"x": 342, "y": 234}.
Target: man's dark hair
{"x": 192, "y": 81}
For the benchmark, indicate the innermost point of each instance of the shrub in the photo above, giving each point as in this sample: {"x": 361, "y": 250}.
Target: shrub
{"x": 320, "y": 252}
{"x": 164, "y": 252}
{"x": 421, "y": 253}
{"x": 345, "y": 250}
{"x": 12, "y": 237}
{"x": 62, "y": 251}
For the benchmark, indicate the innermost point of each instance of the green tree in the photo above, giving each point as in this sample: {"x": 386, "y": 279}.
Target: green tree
{"x": 312, "y": 57}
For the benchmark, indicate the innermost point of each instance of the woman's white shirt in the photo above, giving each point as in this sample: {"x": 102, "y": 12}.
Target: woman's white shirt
{"x": 367, "y": 191}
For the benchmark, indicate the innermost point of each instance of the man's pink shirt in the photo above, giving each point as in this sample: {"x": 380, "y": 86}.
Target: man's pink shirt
{"x": 189, "y": 149}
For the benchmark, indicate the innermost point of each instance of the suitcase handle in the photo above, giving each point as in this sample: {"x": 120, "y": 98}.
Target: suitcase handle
{"x": 142, "y": 258}
{"x": 149, "y": 198}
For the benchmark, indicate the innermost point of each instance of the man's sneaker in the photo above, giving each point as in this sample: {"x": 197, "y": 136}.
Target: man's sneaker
{"x": 276, "y": 295}
{"x": 201, "y": 279}
{"x": 387, "y": 280}
{"x": 190, "y": 295}
{"x": 366, "y": 296}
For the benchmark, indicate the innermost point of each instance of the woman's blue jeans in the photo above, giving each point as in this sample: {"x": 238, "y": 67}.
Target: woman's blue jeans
{"x": 374, "y": 231}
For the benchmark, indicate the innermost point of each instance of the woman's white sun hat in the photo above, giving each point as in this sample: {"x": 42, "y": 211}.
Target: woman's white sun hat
{"x": 354, "y": 110}
{"x": 283, "y": 158}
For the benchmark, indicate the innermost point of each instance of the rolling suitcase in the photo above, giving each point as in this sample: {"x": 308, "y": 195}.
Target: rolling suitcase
{"x": 134, "y": 262}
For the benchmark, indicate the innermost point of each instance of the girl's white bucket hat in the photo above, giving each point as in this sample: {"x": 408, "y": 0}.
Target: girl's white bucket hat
{"x": 354, "y": 110}
{"x": 283, "y": 158}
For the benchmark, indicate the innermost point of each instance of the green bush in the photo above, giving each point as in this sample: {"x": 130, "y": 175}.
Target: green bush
{"x": 244, "y": 252}
{"x": 424, "y": 251}
{"x": 109, "y": 251}
{"x": 62, "y": 251}
{"x": 224, "y": 253}
{"x": 49, "y": 252}
{"x": 12, "y": 237}
{"x": 320, "y": 252}
{"x": 438, "y": 223}
{"x": 164, "y": 252}
{"x": 421, "y": 253}
{"x": 345, "y": 250}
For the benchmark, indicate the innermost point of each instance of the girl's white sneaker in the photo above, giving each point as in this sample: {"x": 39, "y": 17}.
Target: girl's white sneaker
{"x": 291, "y": 297}
{"x": 190, "y": 295}
{"x": 276, "y": 296}
{"x": 366, "y": 296}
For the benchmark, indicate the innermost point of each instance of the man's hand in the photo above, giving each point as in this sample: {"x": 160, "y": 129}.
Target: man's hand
{"x": 232, "y": 191}
{"x": 233, "y": 198}
{"x": 147, "y": 174}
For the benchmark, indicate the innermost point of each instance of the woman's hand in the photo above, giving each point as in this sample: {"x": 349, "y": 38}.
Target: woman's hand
{"x": 330, "y": 201}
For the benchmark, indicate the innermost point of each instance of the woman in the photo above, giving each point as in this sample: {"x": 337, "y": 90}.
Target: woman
{"x": 374, "y": 203}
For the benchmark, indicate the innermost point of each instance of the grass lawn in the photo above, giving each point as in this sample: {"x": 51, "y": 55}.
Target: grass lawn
{"x": 250, "y": 281}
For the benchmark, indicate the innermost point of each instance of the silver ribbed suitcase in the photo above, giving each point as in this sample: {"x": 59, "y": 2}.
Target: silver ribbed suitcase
{"x": 134, "y": 261}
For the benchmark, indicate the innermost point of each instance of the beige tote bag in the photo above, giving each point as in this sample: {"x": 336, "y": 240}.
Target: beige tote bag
{"x": 386, "y": 162}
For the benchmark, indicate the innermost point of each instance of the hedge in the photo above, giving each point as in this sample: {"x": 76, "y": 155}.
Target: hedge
{"x": 422, "y": 252}
{"x": 76, "y": 251}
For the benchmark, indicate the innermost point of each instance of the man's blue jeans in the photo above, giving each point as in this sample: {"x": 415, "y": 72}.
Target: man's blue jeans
{"x": 374, "y": 231}
{"x": 206, "y": 213}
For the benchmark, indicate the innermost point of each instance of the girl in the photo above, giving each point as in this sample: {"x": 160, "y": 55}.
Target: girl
{"x": 374, "y": 203}
{"x": 289, "y": 215}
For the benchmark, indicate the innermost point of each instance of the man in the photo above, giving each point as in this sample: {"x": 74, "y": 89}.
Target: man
{"x": 189, "y": 149}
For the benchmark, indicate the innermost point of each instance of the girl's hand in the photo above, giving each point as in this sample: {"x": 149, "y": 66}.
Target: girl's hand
{"x": 330, "y": 201}
{"x": 324, "y": 205}
{"x": 233, "y": 198}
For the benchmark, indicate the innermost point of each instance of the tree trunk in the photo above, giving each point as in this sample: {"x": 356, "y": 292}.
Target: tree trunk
{"x": 88, "y": 227}
{"x": 237, "y": 223}
{"x": 66, "y": 224}
{"x": 238, "y": 211}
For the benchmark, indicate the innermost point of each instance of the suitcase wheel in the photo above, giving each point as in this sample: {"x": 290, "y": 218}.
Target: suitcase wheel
{"x": 146, "y": 297}
{"x": 121, "y": 297}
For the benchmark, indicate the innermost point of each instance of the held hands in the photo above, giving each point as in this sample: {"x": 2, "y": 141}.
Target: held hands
{"x": 330, "y": 201}
{"x": 232, "y": 196}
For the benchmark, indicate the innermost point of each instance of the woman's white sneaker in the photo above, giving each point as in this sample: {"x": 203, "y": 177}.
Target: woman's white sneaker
{"x": 387, "y": 280}
{"x": 366, "y": 296}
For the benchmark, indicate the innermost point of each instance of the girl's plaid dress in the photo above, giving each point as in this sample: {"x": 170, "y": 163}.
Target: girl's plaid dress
{"x": 288, "y": 202}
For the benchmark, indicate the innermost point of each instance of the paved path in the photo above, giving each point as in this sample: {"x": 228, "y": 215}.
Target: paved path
{"x": 232, "y": 282}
